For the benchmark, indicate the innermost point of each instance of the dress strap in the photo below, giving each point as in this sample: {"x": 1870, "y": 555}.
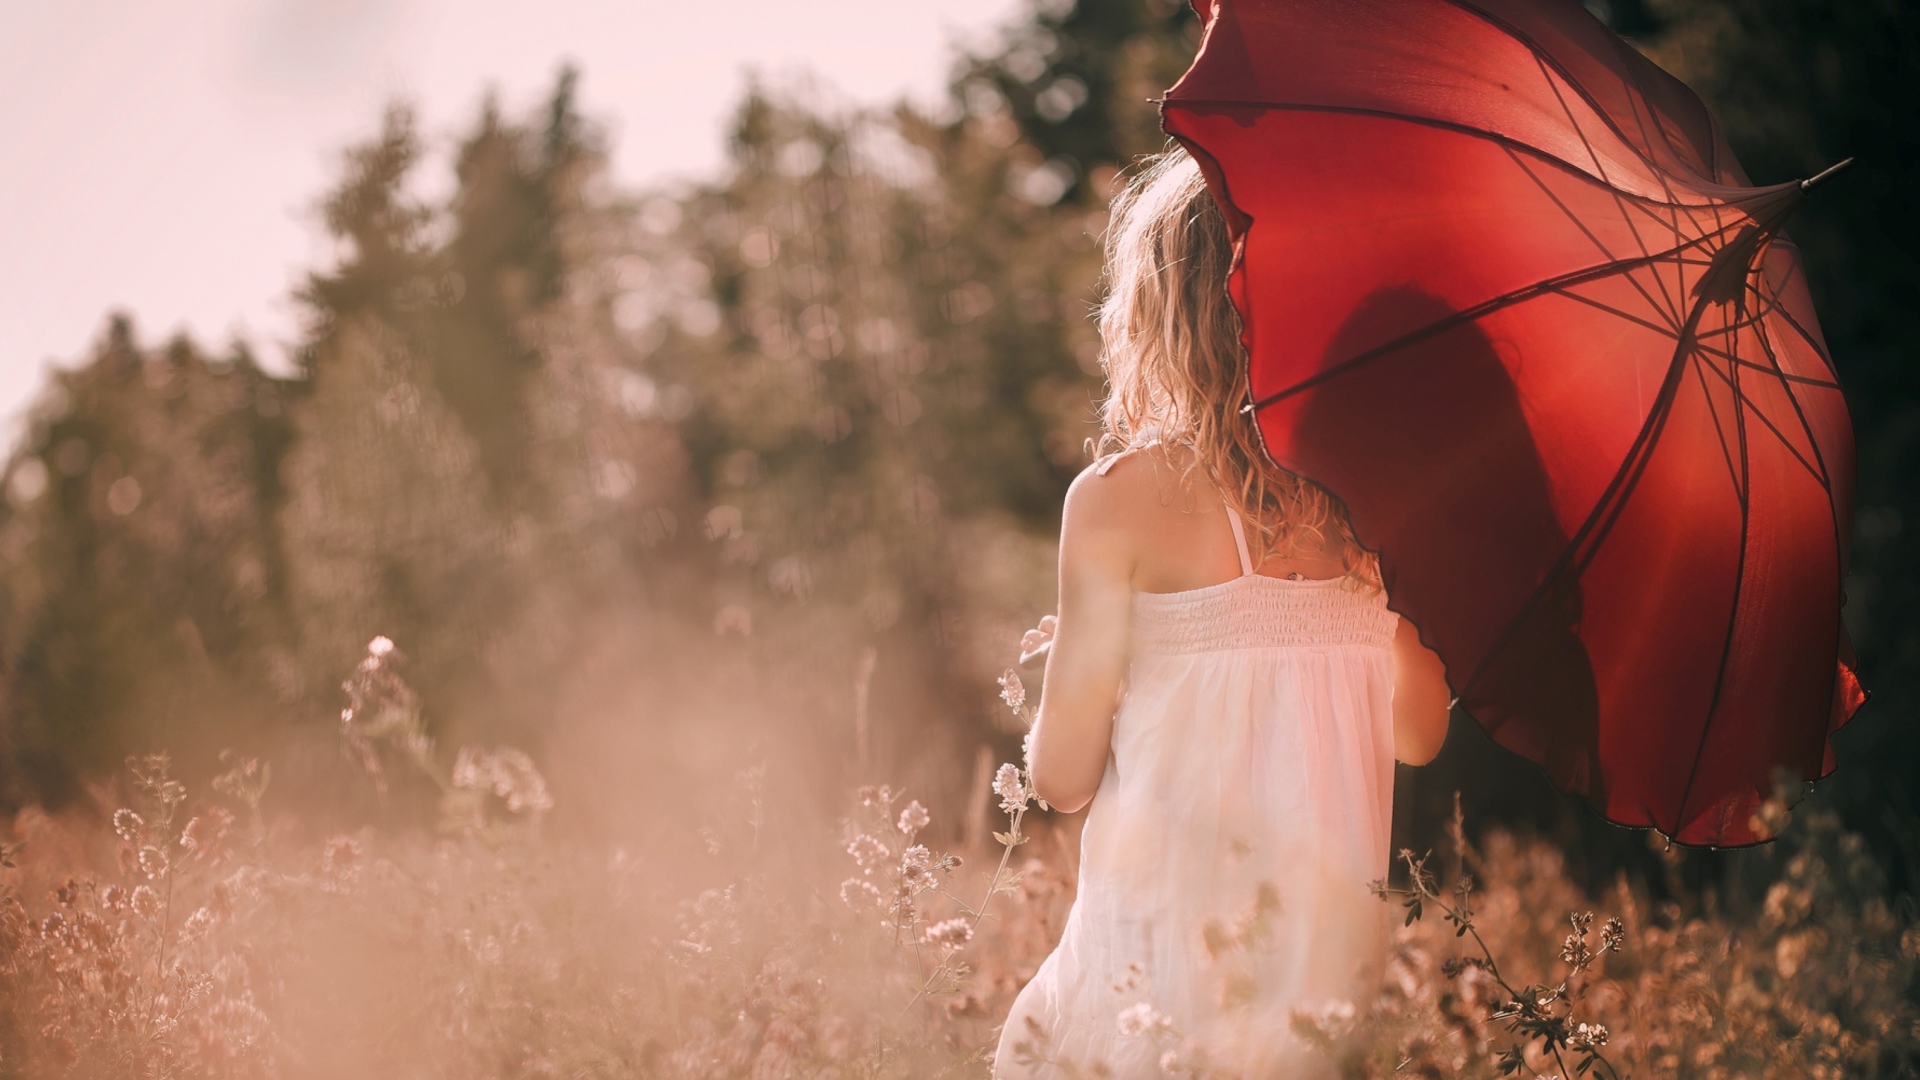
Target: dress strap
{"x": 1239, "y": 538}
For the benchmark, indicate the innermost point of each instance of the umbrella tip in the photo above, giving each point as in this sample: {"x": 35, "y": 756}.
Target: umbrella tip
{"x": 1824, "y": 175}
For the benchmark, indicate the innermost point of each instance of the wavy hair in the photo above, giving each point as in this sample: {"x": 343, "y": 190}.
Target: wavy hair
{"x": 1176, "y": 369}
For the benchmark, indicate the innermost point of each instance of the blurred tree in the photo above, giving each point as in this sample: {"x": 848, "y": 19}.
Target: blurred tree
{"x": 1083, "y": 81}
{"x": 455, "y": 435}
{"x": 143, "y": 588}
{"x": 876, "y": 332}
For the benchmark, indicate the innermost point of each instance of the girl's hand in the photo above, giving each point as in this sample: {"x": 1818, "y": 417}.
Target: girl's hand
{"x": 1037, "y": 642}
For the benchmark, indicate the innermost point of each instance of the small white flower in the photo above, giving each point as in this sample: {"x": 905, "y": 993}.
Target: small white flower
{"x": 867, "y": 851}
{"x": 1328, "y": 1021}
{"x": 380, "y": 648}
{"x": 1007, "y": 785}
{"x": 1012, "y": 690}
{"x": 950, "y": 934}
{"x": 914, "y": 818}
{"x": 506, "y": 772}
{"x": 916, "y": 863}
{"x": 197, "y": 925}
{"x": 1143, "y": 1019}
{"x": 128, "y": 824}
{"x": 858, "y": 893}
{"x": 1589, "y": 1036}
{"x": 154, "y": 862}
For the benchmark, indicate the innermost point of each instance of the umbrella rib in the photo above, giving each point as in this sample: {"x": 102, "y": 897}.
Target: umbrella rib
{"x": 1813, "y": 441}
{"x": 1839, "y": 567}
{"x": 1672, "y": 222}
{"x": 1783, "y": 376}
{"x": 1733, "y": 327}
{"x": 1544, "y": 57}
{"x": 1425, "y": 121}
{"x": 1720, "y": 436}
{"x": 1733, "y": 607}
{"x": 1818, "y": 474}
{"x": 1585, "y": 143}
{"x": 1818, "y": 350}
{"x": 1626, "y": 217}
{"x": 1663, "y": 331}
{"x": 1487, "y": 307}
{"x": 1670, "y": 309}
{"x": 1599, "y": 522}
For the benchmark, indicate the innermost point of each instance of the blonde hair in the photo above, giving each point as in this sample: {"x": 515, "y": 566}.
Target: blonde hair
{"x": 1176, "y": 370}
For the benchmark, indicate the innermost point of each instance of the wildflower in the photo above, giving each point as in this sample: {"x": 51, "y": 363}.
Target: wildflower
{"x": 902, "y": 911}
{"x": 146, "y": 902}
{"x": 1007, "y": 784}
{"x": 857, "y": 892}
{"x": 380, "y": 647}
{"x": 871, "y": 796}
{"x": 950, "y": 934}
{"x": 916, "y": 864}
{"x": 506, "y": 772}
{"x": 867, "y": 851}
{"x": 128, "y": 825}
{"x": 1143, "y": 1019}
{"x": 1574, "y": 950}
{"x": 1012, "y": 690}
{"x": 196, "y": 925}
{"x": 1613, "y": 935}
{"x": 1325, "y": 1023}
{"x": 914, "y": 818}
{"x": 1588, "y": 1036}
{"x": 153, "y": 862}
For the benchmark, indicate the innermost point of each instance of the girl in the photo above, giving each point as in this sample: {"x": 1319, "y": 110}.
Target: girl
{"x": 1227, "y": 688}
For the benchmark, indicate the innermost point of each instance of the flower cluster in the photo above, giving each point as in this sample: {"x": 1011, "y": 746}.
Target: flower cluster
{"x": 504, "y": 772}
{"x": 1010, "y": 784}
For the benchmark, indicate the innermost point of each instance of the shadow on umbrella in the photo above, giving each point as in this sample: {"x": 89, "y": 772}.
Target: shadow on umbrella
{"x": 1442, "y": 419}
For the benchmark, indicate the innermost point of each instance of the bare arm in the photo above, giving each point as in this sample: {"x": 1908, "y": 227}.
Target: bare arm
{"x": 1088, "y": 660}
{"x": 1420, "y": 698}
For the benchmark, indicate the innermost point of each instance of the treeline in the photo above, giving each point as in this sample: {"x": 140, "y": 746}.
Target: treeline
{"x": 804, "y": 429}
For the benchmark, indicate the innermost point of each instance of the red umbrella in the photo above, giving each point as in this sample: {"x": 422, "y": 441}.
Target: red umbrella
{"x": 1507, "y": 293}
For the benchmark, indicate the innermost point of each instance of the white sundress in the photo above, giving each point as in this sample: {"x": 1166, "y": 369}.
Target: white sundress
{"x": 1225, "y": 864}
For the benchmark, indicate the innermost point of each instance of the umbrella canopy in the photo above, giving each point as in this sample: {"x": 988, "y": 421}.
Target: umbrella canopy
{"x": 1507, "y": 293}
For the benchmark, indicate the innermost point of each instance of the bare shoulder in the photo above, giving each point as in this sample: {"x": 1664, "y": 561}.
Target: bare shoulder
{"x": 1100, "y": 525}
{"x": 1133, "y": 487}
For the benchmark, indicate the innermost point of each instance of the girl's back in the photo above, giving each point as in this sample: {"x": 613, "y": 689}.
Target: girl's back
{"x": 1244, "y": 806}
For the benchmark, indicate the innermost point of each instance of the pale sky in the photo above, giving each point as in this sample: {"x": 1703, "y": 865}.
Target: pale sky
{"x": 164, "y": 157}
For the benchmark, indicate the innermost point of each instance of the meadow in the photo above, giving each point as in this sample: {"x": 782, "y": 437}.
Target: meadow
{"x": 209, "y": 933}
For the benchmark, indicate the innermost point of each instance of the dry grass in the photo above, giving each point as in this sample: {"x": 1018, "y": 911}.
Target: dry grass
{"x": 197, "y": 934}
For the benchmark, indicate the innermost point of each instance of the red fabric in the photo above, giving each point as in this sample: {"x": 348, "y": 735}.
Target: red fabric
{"x": 1507, "y": 293}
